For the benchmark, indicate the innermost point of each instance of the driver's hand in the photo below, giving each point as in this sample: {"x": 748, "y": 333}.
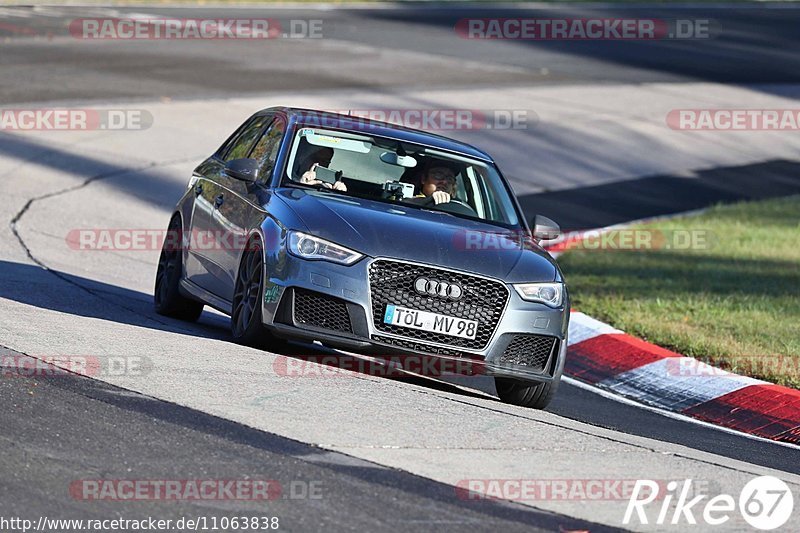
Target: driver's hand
{"x": 339, "y": 186}
{"x": 309, "y": 177}
{"x": 440, "y": 197}
{"x": 325, "y": 184}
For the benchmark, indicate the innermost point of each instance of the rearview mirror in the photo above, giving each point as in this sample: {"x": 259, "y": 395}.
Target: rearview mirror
{"x": 242, "y": 169}
{"x": 545, "y": 229}
{"x": 398, "y": 160}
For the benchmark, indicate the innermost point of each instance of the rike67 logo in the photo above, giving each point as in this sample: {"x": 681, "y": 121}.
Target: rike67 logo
{"x": 765, "y": 503}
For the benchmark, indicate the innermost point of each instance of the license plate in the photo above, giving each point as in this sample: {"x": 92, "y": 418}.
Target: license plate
{"x": 434, "y": 322}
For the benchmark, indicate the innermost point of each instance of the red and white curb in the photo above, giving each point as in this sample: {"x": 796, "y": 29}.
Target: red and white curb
{"x": 609, "y": 359}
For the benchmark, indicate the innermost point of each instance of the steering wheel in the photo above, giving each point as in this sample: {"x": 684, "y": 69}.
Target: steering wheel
{"x": 460, "y": 202}
{"x": 454, "y": 206}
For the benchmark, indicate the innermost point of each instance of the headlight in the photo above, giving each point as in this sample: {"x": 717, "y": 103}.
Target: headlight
{"x": 314, "y": 248}
{"x": 546, "y": 293}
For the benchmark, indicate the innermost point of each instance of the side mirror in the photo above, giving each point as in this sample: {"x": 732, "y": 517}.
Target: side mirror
{"x": 545, "y": 229}
{"x": 242, "y": 169}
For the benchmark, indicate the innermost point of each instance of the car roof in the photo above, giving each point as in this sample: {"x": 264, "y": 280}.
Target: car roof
{"x": 358, "y": 124}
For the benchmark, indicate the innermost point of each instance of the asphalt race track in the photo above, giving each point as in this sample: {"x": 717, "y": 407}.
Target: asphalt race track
{"x": 351, "y": 451}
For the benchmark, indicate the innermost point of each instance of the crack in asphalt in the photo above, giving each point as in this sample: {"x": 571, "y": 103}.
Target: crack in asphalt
{"x": 88, "y": 181}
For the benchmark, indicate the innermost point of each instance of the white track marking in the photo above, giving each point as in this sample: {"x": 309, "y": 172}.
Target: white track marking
{"x": 582, "y": 327}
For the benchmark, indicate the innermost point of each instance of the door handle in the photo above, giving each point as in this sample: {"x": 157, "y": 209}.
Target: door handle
{"x": 218, "y": 201}
{"x": 198, "y": 189}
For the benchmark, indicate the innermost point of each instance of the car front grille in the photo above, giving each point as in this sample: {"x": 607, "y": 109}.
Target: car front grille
{"x": 321, "y": 311}
{"x": 411, "y": 345}
{"x": 392, "y": 283}
{"x": 532, "y": 351}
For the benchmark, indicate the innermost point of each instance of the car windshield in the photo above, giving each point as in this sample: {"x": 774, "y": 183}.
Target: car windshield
{"x": 392, "y": 171}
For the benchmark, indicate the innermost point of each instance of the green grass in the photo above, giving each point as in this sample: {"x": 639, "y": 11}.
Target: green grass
{"x": 734, "y": 303}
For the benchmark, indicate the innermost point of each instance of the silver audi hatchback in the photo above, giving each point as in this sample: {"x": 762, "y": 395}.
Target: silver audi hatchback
{"x": 372, "y": 238}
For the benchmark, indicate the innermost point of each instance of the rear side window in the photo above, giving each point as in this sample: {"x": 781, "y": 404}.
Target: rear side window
{"x": 266, "y": 151}
{"x": 240, "y": 146}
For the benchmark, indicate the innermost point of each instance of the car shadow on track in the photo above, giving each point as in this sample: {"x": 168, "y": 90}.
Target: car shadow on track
{"x": 75, "y": 295}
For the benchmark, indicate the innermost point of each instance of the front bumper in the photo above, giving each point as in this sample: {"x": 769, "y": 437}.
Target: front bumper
{"x": 343, "y": 294}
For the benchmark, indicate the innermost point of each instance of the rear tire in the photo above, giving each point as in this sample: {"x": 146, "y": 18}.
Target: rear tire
{"x": 167, "y": 297}
{"x": 525, "y": 394}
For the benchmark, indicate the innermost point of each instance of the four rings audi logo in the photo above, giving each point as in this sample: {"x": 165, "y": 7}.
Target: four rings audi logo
{"x": 442, "y": 289}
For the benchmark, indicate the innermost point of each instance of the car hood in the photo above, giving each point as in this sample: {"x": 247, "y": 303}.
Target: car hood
{"x": 379, "y": 229}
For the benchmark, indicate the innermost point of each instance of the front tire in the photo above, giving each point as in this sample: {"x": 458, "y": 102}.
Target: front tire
{"x": 246, "y": 326}
{"x": 524, "y": 394}
{"x": 167, "y": 297}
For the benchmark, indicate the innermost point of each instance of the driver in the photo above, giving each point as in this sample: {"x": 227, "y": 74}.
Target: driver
{"x": 439, "y": 181}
